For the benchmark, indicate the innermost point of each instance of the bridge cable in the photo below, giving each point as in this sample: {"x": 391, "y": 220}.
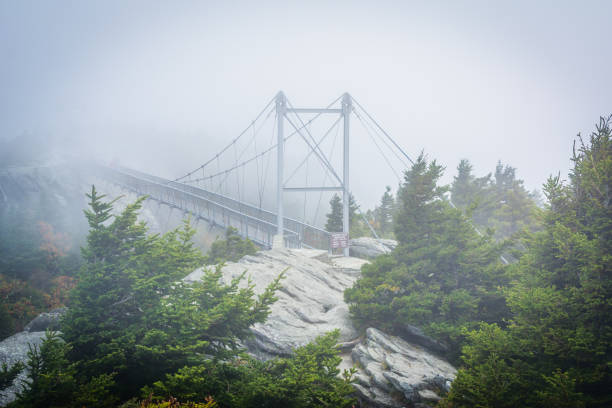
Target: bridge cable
{"x": 312, "y": 151}
{"x": 331, "y": 154}
{"x": 378, "y": 147}
{"x": 265, "y": 174}
{"x": 322, "y": 155}
{"x": 268, "y": 150}
{"x": 322, "y": 159}
{"x": 256, "y": 163}
{"x": 237, "y": 174}
{"x": 230, "y": 144}
{"x": 227, "y": 172}
{"x": 305, "y": 194}
{"x": 503, "y": 259}
{"x": 376, "y": 133}
{"x": 383, "y": 131}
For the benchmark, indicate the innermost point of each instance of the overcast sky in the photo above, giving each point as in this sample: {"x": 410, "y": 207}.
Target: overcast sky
{"x": 162, "y": 85}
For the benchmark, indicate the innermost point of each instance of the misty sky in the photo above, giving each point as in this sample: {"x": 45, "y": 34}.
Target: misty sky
{"x": 162, "y": 85}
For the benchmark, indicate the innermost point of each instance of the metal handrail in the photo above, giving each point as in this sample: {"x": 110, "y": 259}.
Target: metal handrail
{"x": 139, "y": 182}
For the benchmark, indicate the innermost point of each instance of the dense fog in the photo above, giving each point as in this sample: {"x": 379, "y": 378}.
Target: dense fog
{"x": 144, "y": 261}
{"x": 162, "y": 87}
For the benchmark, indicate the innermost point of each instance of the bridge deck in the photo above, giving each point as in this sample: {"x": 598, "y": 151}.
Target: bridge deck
{"x": 252, "y": 222}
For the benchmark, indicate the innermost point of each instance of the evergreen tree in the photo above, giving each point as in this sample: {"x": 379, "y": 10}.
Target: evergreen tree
{"x": 131, "y": 317}
{"x": 463, "y": 188}
{"x": 515, "y": 210}
{"x": 334, "y": 218}
{"x": 309, "y": 378}
{"x": 51, "y": 380}
{"x": 231, "y": 249}
{"x": 384, "y": 213}
{"x": 557, "y": 348}
{"x": 501, "y": 202}
{"x": 8, "y": 374}
{"x": 442, "y": 276}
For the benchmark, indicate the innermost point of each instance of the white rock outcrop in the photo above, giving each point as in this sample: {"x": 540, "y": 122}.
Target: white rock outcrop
{"x": 13, "y": 350}
{"x": 366, "y": 247}
{"x": 392, "y": 372}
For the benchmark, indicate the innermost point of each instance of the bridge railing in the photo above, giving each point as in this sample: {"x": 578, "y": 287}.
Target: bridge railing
{"x": 252, "y": 222}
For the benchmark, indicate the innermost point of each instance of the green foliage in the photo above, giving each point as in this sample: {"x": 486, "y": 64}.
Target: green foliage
{"x": 231, "y": 249}
{"x": 35, "y": 262}
{"x": 383, "y": 214}
{"x": 8, "y": 375}
{"x": 169, "y": 403}
{"x": 490, "y": 375}
{"x": 131, "y": 317}
{"x": 52, "y": 383}
{"x": 7, "y": 323}
{"x": 499, "y": 202}
{"x": 442, "y": 276}
{"x": 334, "y": 218}
{"x": 556, "y": 350}
{"x": 20, "y": 303}
{"x": 307, "y": 379}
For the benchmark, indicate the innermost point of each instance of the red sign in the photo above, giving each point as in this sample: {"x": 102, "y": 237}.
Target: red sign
{"x": 339, "y": 240}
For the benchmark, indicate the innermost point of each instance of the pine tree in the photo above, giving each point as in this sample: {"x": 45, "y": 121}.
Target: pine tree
{"x": 441, "y": 277}
{"x": 230, "y": 249}
{"x": 52, "y": 383}
{"x": 334, "y": 217}
{"x": 463, "y": 188}
{"x": 500, "y": 202}
{"x": 384, "y": 213}
{"x": 308, "y": 378}
{"x": 130, "y": 315}
{"x": 558, "y": 344}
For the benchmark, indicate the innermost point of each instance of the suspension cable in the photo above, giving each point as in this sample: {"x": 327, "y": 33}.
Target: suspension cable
{"x": 331, "y": 154}
{"x": 312, "y": 151}
{"x": 230, "y": 144}
{"x": 383, "y": 131}
{"x": 323, "y": 159}
{"x": 256, "y": 131}
{"x": 268, "y": 150}
{"x": 378, "y": 147}
{"x": 384, "y": 141}
{"x": 265, "y": 174}
{"x": 322, "y": 155}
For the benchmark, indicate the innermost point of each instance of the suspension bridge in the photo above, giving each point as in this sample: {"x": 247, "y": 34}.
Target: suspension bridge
{"x": 219, "y": 195}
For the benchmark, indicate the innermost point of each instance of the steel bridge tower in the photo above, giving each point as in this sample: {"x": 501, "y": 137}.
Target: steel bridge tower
{"x": 282, "y": 109}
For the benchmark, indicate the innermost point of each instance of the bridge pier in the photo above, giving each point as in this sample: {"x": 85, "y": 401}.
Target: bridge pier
{"x": 278, "y": 242}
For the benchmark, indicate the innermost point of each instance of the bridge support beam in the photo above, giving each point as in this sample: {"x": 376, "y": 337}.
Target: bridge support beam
{"x": 346, "y": 113}
{"x": 281, "y": 107}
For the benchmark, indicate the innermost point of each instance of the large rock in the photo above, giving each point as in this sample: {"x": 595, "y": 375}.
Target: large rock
{"x": 365, "y": 247}
{"x": 15, "y": 348}
{"x": 12, "y": 350}
{"x": 392, "y": 372}
{"x": 415, "y": 335}
{"x": 392, "y": 364}
{"x": 46, "y": 321}
{"x": 309, "y": 304}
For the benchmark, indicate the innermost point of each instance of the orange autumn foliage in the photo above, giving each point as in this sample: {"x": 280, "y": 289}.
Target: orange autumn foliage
{"x": 54, "y": 244}
{"x": 59, "y": 294}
